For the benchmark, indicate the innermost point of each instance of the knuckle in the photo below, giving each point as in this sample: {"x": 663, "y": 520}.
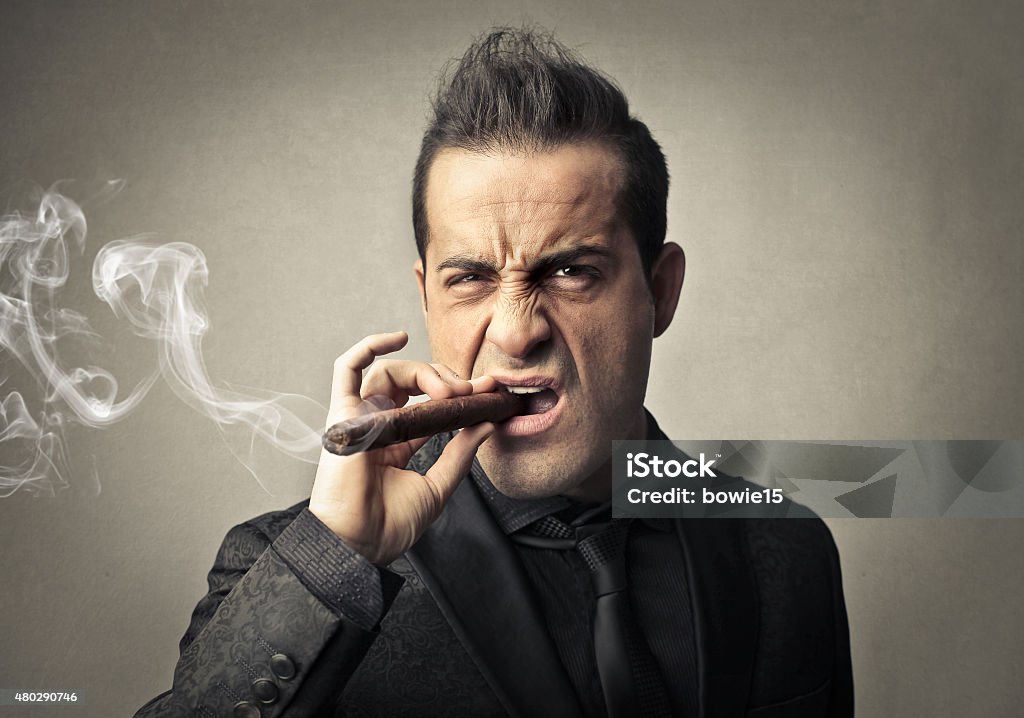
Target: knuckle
{"x": 441, "y": 372}
{"x": 350, "y": 359}
{"x": 373, "y": 384}
{"x": 381, "y": 368}
{"x": 380, "y": 375}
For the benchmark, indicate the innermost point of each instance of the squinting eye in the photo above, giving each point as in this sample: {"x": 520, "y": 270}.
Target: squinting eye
{"x": 574, "y": 277}
{"x": 467, "y": 284}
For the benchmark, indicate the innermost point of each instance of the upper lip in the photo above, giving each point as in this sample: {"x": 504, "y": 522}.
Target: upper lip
{"x": 542, "y": 381}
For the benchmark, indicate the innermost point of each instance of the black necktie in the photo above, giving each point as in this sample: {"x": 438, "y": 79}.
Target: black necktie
{"x": 630, "y": 680}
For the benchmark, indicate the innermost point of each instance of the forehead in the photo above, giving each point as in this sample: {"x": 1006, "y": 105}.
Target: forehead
{"x": 513, "y": 203}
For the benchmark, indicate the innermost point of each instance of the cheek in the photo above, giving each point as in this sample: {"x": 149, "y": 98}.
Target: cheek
{"x": 612, "y": 351}
{"x": 454, "y": 340}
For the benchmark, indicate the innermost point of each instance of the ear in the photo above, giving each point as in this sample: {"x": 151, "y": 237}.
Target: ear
{"x": 417, "y": 269}
{"x": 666, "y": 283}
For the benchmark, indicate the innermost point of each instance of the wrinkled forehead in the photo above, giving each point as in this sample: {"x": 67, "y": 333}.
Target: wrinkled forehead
{"x": 522, "y": 203}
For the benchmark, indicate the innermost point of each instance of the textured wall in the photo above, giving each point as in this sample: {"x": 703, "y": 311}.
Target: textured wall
{"x": 846, "y": 183}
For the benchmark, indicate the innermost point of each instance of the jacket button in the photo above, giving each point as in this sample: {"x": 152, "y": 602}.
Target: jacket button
{"x": 265, "y": 690}
{"x": 245, "y": 709}
{"x": 282, "y": 666}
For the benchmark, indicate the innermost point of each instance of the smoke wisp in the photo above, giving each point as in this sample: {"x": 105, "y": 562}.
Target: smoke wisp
{"x": 159, "y": 290}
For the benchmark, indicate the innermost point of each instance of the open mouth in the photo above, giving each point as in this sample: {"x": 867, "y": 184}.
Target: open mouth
{"x": 545, "y": 402}
{"x": 539, "y": 399}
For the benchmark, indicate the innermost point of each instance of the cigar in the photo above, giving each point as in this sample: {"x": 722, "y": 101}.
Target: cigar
{"x": 383, "y": 428}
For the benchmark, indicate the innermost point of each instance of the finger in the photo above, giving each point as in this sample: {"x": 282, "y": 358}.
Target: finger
{"x": 417, "y": 444}
{"x": 348, "y": 368}
{"x": 398, "y": 455}
{"x": 460, "y": 385}
{"x": 484, "y": 384}
{"x": 412, "y": 378}
{"x": 455, "y": 460}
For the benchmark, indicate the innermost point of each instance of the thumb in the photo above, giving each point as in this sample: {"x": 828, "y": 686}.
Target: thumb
{"x": 455, "y": 460}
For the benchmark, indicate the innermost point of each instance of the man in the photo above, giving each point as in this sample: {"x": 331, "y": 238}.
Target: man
{"x": 480, "y": 574}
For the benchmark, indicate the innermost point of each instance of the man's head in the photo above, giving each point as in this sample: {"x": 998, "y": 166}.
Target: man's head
{"x": 539, "y": 207}
{"x": 521, "y": 91}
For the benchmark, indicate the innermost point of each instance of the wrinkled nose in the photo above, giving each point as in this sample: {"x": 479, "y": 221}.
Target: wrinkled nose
{"x": 517, "y": 327}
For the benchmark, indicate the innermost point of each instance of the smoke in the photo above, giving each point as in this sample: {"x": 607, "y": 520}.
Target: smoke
{"x": 158, "y": 289}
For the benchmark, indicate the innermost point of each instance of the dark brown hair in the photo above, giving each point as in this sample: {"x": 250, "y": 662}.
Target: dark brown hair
{"x": 521, "y": 90}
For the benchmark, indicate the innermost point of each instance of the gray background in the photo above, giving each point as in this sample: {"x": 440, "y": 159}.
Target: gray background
{"x": 846, "y": 182}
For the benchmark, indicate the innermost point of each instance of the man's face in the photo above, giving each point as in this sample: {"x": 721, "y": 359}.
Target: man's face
{"x": 533, "y": 277}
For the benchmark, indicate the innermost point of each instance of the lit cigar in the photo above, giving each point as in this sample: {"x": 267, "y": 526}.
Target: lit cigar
{"x": 383, "y": 428}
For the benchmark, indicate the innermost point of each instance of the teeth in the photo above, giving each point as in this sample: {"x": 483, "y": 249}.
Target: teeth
{"x": 524, "y": 389}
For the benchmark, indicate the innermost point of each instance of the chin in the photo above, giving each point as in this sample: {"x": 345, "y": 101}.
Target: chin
{"x": 533, "y": 474}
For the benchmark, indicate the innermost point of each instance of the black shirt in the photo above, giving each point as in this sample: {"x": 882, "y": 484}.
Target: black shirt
{"x": 657, "y": 588}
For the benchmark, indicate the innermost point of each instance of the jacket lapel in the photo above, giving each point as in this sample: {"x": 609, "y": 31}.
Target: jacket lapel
{"x": 470, "y": 568}
{"x": 724, "y": 612}
{"x": 722, "y": 596}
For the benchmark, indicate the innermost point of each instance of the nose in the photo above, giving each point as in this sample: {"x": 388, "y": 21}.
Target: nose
{"x": 518, "y": 326}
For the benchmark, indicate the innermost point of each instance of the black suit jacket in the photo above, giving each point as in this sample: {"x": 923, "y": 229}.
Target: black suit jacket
{"x": 464, "y": 635}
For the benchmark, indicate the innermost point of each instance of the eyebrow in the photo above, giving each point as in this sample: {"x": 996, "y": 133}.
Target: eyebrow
{"x": 468, "y": 263}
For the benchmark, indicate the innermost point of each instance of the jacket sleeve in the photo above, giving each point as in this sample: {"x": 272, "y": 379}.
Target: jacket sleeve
{"x": 285, "y": 624}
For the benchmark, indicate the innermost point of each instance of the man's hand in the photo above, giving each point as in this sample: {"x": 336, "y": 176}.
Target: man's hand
{"x": 369, "y": 499}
